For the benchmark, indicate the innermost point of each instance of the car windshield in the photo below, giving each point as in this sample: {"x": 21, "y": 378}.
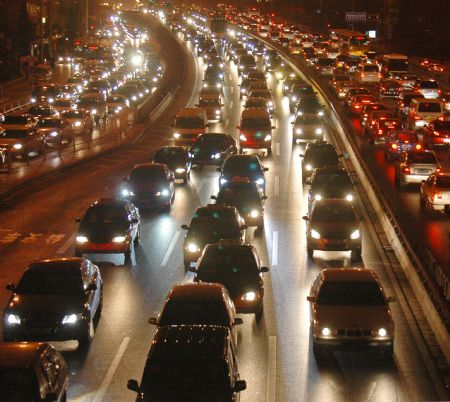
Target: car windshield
{"x": 209, "y": 102}
{"x": 191, "y": 312}
{"x": 167, "y": 156}
{"x": 17, "y": 385}
{"x": 429, "y": 85}
{"x": 407, "y": 137}
{"x": 332, "y": 179}
{"x": 350, "y": 293}
{"x": 15, "y": 120}
{"x": 442, "y": 125}
{"x": 255, "y": 124}
{"x": 50, "y": 282}
{"x": 443, "y": 182}
{"x": 333, "y": 213}
{"x": 422, "y": 157}
{"x": 430, "y": 107}
{"x": 14, "y": 134}
{"x": 49, "y": 123}
{"x": 147, "y": 176}
{"x": 189, "y": 122}
{"x": 239, "y": 195}
{"x": 242, "y": 166}
{"x": 322, "y": 156}
{"x": 43, "y": 111}
{"x": 105, "y": 215}
{"x": 89, "y": 101}
{"x": 307, "y": 120}
{"x": 371, "y": 69}
{"x": 325, "y": 62}
{"x": 73, "y": 114}
{"x": 214, "y": 228}
{"x": 256, "y": 103}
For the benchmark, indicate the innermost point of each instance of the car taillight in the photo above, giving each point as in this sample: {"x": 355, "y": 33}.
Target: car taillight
{"x": 418, "y": 146}
{"x": 437, "y": 196}
{"x": 380, "y": 131}
{"x": 417, "y": 117}
{"x": 357, "y": 106}
{"x": 406, "y": 169}
{"x": 436, "y": 133}
{"x": 438, "y": 170}
{"x": 394, "y": 146}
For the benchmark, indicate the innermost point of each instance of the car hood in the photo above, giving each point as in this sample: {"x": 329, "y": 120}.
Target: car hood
{"x": 331, "y": 191}
{"x": 149, "y": 186}
{"x": 333, "y": 230}
{"x": 353, "y": 316}
{"x": 103, "y": 233}
{"x": 45, "y": 305}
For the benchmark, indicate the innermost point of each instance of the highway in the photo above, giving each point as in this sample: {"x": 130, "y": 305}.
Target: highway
{"x": 275, "y": 355}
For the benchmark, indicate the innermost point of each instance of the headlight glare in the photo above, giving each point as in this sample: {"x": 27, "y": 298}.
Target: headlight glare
{"x": 12, "y": 319}
{"x": 315, "y": 234}
{"x": 355, "y": 235}
{"x": 81, "y": 239}
{"x": 71, "y": 318}
{"x": 119, "y": 239}
{"x": 249, "y": 296}
{"x": 192, "y": 248}
{"x": 326, "y": 331}
{"x": 382, "y": 332}
{"x": 349, "y": 197}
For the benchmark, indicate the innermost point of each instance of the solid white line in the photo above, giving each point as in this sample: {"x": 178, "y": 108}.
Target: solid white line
{"x": 67, "y": 244}
{"x": 232, "y": 90}
{"x": 170, "y": 248}
{"x": 112, "y": 369}
{"x": 272, "y": 369}
{"x": 275, "y": 248}
{"x": 277, "y": 186}
{"x": 231, "y": 104}
{"x": 277, "y": 149}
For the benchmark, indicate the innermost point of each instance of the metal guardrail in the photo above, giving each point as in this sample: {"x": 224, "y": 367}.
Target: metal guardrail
{"x": 14, "y": 105}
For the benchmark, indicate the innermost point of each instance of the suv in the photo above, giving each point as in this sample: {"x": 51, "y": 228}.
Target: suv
{"x": 422, "y": 111}
{"x": 188, "y": 125}
{"x": 190, "y": 363}
{"x": 255, "y": 130}
{"x": 307, "y": 128}
{"x": 428, "y": 88}
{"x": 318, "y": 154}
{"x": 32, "y": 372}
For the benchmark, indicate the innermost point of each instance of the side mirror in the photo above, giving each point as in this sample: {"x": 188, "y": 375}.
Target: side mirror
{"x": 219, "y": 169}
{"x": 264, "y": 269}
{"x": 213, "y": 197}
{"x": 305, "y": 218}
{"x": 135, "y": 220}
{"x": 238, "y": 321}
{"x": 153, "y": 321}
{"x": 133, "y": 385}
{"x": 390, "y": 299}
{"x": 185, "y": 227}
{"x": 239, "y": 385}
{"x": 11, "y": 287}
{"x": 266, "y": 169}
{"x": 91, "y": 287}
{"x": 78, "y": 220}
{"x": 192, "y": 269}
{"x": 311, "y": 298}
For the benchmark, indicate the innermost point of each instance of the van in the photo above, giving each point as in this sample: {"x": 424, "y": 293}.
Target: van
{"x": 255, "y": 130}
{"x": 422, "y": 111}
{"x": 368, "y": 73}
{"x": 190, "y": 363}
{"x": 188, "y": 125}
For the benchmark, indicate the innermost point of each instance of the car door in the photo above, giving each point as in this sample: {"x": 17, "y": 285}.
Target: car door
{"x": 59, "y": 367}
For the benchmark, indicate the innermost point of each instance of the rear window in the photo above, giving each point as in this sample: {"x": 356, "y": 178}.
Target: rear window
{"x": 443, "y": 182}
{"x": 422, "y": 157}
{"x": 370, "y": 69}
{"x": 429, "y": 85}
{"x": 431, "y": 107}
{"x": 406, "y": 137}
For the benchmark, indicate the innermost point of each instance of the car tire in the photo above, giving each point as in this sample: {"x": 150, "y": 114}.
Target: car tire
{"x": 85, "y": 340}
{"x": 259, "y": 314}
{"x": 137, "y": 238}
{"x": 127, "y": 257}
{"x": 310, "y": 251}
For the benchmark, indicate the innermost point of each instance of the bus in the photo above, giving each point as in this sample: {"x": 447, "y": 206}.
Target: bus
{"x": 393, "y": 64}
{"x": 351, "y": 42}
{"x": 218, "y": 26}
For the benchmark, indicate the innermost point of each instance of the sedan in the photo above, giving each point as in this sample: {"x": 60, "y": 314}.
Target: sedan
{"x": 81, "y": 120}
{"x": 55, "y": 130}
{"x": 213, "y": 149}
{"x": 435, "y": 193}
{"x": 414, "y": 166}
{"x": 178, "y": 160}
{"x": 55, "y": 300}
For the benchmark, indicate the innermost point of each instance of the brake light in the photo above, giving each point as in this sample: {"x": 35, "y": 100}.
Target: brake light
{"x": 406, "y": 169}
{"x": 418, "y": 146}
{"x": 438, "y": 170}
{"x": 437, "y": 133}
{"x": 394, "y": 146}
{"x": 357, "y": 106}
{"x": 438, "y": 196}
{"x": 417, "y": 117}
{"x": 380, "y": 131}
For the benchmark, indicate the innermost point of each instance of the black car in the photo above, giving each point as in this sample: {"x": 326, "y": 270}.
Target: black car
{"x": 309, "y": 106}
{"x": 247, "y": 197}
{"x": 108, "y": 226}
{"x": 297, "y": 92}
{"x": 289, "y": 83}
{"x": 55, "y": 300}
{"x": 330, "y": 182}
{"x": 212, "y": 149}
{"x": 307, "y": 128}
{"x": 150, "y": 185}
{"x": 243, "y": 167}
{"x": 208, "y": 225}
{"x": 318, "y": 154}
{"x": 237, "y": 266}
{"x": 42, "y": 111}
{"x": 178, "y": 160}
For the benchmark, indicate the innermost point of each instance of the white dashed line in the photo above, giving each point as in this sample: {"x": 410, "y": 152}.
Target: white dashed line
{"x": 170, "y": 248}
{"x": 272, "y": 369}
{"x": 277, "y": 186}
{"x": 277, "y": 149}
{"x": 67, "y": 244}
{"x": 275, "y": 248}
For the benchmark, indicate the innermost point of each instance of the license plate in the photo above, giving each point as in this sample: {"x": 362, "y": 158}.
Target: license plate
{"x": 406, "y": 147}
{"x": 423, "y": 171}
{"x": 447, "y": 140}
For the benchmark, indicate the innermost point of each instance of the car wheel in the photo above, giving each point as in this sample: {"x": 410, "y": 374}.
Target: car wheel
{"x": 127, "y": 257}
{"x": 137, "y": 238}
{"x": 64, "y": 397}
{"x": 259, "y": 314}
{"x": 85, "y": 340}
{"x": 310, "y": 251}
{"x": 356, "y": 254}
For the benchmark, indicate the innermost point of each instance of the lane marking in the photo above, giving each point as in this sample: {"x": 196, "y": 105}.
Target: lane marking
{"x": 112, "y": 369}
{"x": 277, "y": 149}
{"x": 170, "y": 248}
{"x": 277, "y": 186}
{"x": 272, "y": 369}
{"x": 275, "y": 248}
{"x": 67, "y": 244}
{"x": 231, "y": 104}
{"x": 232, "y": 90}
{"x": 227, "y": 121}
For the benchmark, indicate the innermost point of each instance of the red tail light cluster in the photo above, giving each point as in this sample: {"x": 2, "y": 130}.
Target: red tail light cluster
{"x": 438, "y": 196}
{"x": 406, "y": 169}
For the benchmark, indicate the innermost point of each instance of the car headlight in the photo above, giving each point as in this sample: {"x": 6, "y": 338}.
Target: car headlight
{"x": 249, "y": 296}
{"x": 17, "y": 146}
{"x": 260, "y": 181}
{"x": 243, "y": 90}
{"x": 270, "y": 103}
{"x": 134, "y": 97}
{"x": 298, "y": 131}
{"x": 317, "y": 197}
{"x": 164, "y": 193}
{"x": 308, "y": 167}
{"x": 294, "y": 98}
{"x": 326, "y": 331}
{"x": 71, "y": 318}
{"x": 315, "y": 234}
{"x": 217, "y": 111}
{"x": 192, "y": 248}
{"x": 81, "y": 239}
{"x": 205, "y": 85}
{"x": 320, "y": 113}
{"x": 219, "y": 85}
{"x": 349, "y": 197}
{"x": 54, "y": 134}
{"x": 77, "y": 124}
{"x": 355, "y": 235}
{"x": 299, "y": 113}
{"x": 33, "y": 100}
{"x": 180, "y": 170}
{"x": 254, "y": 214}
{"x": 50, "y": 100}
{"x": 268, "y": 137}
{"x": 94, "y": 111}
{"x": 12, "y": 319}
{"x": 223, "y": 181}
{"x": 382, "y": 332}
{"x": 176, "y": 135}
{"x": 319, "y": 131}
{"x": 278, "y": 75}
{"x": 216, "y": 155}
{"x": 119, "y": 239}
{"x": 242, "y": 137}
{"x": 126, "y": 192}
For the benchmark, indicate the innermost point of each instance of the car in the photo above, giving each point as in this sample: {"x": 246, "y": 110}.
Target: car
{"x": 255, "y": 130}
{"x": 242, "y": 167}
{"x": 18, "y": 120}
{"x": 213, "y": 149}
{"x": 40, "y": 111}
{"x": 373, "y": 116}
{"x": 356, "y": 102}
{"x": 333, "y": 225}
{"x": 32, "y": 371}
{"x": 117, "y": 103}
{"x": 324, "y": 66}
{"x": 211, "y": 80}
{"x": 404, "y": 99}
{"x": 368, "y": 73}
{"x": 98, "y": 86}
{"x": 341, "y": 89}
{"x": 22, "y": 141}
{"x": 208, "y": 225}
{"x": 61, "y": 104}
{"x": 351, "y": 92}
{"x": 56, "y": 131}
{"x": 389, "y": 88}
{"x": 367, "y": 108}
{"x": 318, "y": 154}
{"x": 237, "y": 266}
{"x": 253, "y": 78}
{"x": 245, "y": 62}
{"x": 307, "y": 128}
{"x": 422, "y": 111}
{"x": 190, "y": 363}
{"x": 297, "y": 92}
{"x": 330, "y": 182}
{"x": 381, "y": 128}
{"x": 212, "y": 104}
{"x": 150, "y": 185}
{"x": 309, "y": 106}
{"x": 436, "y": 133}
{"x": 95, "y": 104}
{"x": 398, "y": 141}
{"x": 435, "y": 193}
{"x": 247, "y": 197}
{"x": 289, "y": 82}
{"x": 46, "y": 94}
{"x": 130, "y": 92}
{"x": 350, "y": 310}
{"x": 55, "y": 300}
{"x": 411, "y": 167}
{"x": 429, "y": 88}
{"x": 81, "y": 120}
{"x": 110, "y": 226}
{"x": 177, "y": 159}
{"x": 188, "y": 125}
{"x": 262, "y": 93}
{"x": 257, "y": 103}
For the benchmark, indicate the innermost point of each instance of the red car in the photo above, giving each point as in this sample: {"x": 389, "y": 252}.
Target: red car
{"x": 382, "y": 127}
{"x": 399, "y": 141}
{"x": 436, "y": 133}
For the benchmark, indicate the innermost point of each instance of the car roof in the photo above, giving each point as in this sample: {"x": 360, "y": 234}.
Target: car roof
{"x": 64, "y": 263}
{"x": 349, "y": 274}
{"x": 116, "y": 202}
{"x": 191, "y": 111}
{"x": 255, "y": 113}
{"x": 149, "y": 166}
{"x": 17, "y": 355}
{"x": 197, "y": 291}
